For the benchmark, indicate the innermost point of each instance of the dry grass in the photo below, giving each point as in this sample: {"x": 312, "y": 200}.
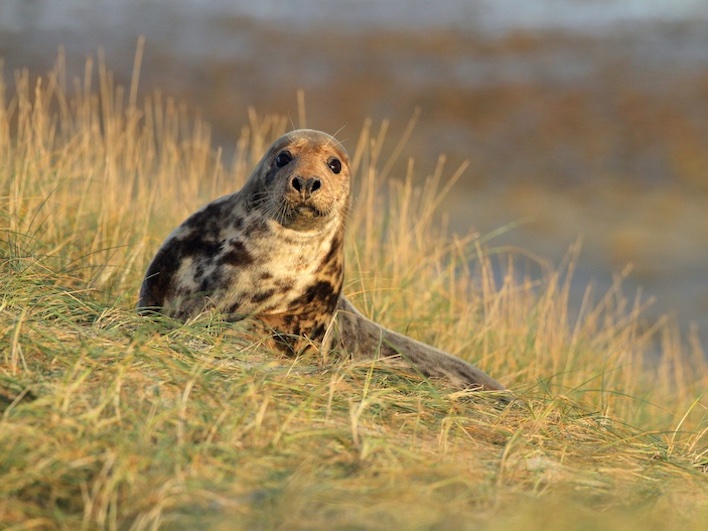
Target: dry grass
{"x": 113, "y": 421}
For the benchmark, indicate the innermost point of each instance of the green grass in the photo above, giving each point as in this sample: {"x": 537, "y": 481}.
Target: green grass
{"x": 109, "y": 420}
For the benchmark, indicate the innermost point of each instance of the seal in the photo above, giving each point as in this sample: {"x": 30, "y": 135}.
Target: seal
{"x": 273, "y": 252}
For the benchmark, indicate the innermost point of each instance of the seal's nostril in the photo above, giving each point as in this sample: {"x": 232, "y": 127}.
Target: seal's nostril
{"x": 306, "y": 186}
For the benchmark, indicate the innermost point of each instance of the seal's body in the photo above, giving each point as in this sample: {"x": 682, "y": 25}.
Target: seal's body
{"x": 273, "y": 251}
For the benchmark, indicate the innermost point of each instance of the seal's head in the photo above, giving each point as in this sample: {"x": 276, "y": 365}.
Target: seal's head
{"x": 303, "y": 181}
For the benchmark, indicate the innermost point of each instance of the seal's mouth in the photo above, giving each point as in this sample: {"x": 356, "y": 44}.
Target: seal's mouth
{"x": 306, "y": 208}
{"x": 301, "y": 215}
{"x": 307, "y": 211}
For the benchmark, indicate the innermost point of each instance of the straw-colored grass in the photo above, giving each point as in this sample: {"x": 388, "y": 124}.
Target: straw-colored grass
{"x": 109, "y": 420}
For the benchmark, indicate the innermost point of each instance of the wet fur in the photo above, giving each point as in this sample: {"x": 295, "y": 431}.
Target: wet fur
{"x": 273, "y": 251}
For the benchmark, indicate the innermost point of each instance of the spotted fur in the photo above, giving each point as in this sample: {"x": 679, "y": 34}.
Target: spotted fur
{"x": 273, "y": 251}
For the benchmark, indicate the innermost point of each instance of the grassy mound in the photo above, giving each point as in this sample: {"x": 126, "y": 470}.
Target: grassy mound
{"x": 108, "y": 420}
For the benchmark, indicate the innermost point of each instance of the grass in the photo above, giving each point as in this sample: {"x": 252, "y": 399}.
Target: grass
{"x": 108, "y": 420}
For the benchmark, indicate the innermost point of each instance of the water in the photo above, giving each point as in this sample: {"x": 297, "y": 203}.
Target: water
{"x": 480, "y": 15}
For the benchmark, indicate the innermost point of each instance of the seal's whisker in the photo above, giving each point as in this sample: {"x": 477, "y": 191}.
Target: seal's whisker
{"x": 334, "y": 135}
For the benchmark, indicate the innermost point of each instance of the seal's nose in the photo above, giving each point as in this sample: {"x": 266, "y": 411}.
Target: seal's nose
{"x": 306, "y": 187}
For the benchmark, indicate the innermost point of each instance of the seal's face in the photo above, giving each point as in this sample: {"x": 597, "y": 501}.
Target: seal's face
{"x": 304, "y": 181}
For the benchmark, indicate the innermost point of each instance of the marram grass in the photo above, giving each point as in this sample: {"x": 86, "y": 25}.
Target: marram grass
{"x": 109, "y": 420}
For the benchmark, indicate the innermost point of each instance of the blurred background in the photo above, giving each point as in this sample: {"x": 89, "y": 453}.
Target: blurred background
{"x": 581, "y": 118}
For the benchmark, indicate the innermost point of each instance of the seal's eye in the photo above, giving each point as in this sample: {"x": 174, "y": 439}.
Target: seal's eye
{"x": 335, "y": 165}
{"x": 283, "y": 159}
